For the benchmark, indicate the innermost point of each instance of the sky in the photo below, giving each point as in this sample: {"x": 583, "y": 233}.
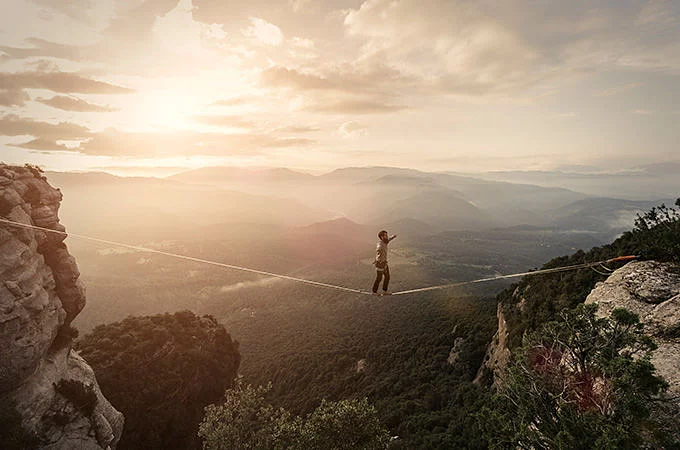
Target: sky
{"x": 439, "y": 85}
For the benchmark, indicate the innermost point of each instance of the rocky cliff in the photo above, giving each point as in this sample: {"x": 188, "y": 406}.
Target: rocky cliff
{"x": 497, "y": 353}
{"x": 647, "y": 288}
{"x": 40, "y": 294}
{"x": 652, "y": 291}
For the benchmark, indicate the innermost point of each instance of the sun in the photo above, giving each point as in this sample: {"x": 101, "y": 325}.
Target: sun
{"x": 166, "y": 110}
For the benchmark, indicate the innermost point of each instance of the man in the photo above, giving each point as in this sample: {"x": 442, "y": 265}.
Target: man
{"x": 382, "y": 269}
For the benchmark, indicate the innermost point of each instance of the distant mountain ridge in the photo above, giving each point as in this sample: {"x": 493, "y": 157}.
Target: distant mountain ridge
{"x": 645, "y": 182}
{"x": 366, "y": 195}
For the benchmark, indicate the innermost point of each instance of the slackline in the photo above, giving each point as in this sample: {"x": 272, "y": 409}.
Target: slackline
{"x": 312, "y": 282}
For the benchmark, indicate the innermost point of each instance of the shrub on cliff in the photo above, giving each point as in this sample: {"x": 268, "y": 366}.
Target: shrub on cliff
{"x": 657, "y": 233}
{"x": 79, "y": 394}
{"x": 580, "y": 382}
{"x": 160, "y": 372}
{"x": 245, "y": 420}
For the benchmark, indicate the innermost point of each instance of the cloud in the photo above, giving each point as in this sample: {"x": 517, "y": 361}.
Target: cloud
{"x": 278, "y": 76}
{"x": 352, "y": 129}
{"x": 75, "y": 9}
{"x": 13, "y": 97}
{"x": 43, "y": 48}
{"x": 482, "y": 48}
{"x": 299, "y": 5}
{"x": 134, "y": 20}
{"x": 447, "y": 44}
{"x": 376, "y": 79}
{"x": 14, "y": 125}
{"x": 290, "y": 142}
{"x": 302, "y": 48}
{"x": 67, "y": 103}
{"x": 226, "y": 121}
{"x": 356, "y": 107}
{"x": 248, "y": 284}
{"x": 237, "y": 101}
{"x": 139, "y": 37}
{"x": 265, "y": 32}
{"x": 643, "y": 112}
{"x": 616, "y": 90}
{"x": 112, "y": 142}
{"x": 57, "y": 81}
{"x": 41, "y": 144}
{"x": 297, "y": 129}
{"x": 302, "y": 42}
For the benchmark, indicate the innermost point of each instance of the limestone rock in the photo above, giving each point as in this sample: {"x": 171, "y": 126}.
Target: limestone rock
{"x": 651, "y": 290}
{"x": 454, "y": 354}
{"x": 42, "y": 406}
{"x": 40, "y": 294}
{"x": 497, "y": 354}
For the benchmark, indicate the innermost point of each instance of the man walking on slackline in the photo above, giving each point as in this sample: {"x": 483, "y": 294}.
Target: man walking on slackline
{"x": 381, "y": 267}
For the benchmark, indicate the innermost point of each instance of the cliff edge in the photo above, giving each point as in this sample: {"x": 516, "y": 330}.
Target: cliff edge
{"x": 52, "y": 388}
{"x": 652, "y": 291}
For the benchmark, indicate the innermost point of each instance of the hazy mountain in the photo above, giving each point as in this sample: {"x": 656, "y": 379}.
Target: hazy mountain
{"x": 359, "y": 174}
{"x": 376, "y": 194}
{"x": 379, "y": 197}
{"x": 602, "y": 214}
{"x": 441, "y": 209}
{"x": 332, "y": 242}
{"x": 228, "y": 175}
{"x": 112, "y": 204}
{"x": 637, "y": 183}
{"x": 409, "y": 226}
{"x": 337, "y": 227}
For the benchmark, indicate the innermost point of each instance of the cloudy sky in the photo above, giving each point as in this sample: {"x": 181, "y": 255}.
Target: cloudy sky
{"x": 430, "y": 84}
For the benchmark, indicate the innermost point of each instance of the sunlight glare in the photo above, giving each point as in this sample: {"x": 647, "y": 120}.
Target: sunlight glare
{"x": 165, "y": 109}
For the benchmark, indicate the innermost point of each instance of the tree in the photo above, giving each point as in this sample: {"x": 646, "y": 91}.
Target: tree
{"x": 657, "y": 233}
{"x": 580, "y": 382}
{"x": 245, "y": 420}
{"x": 347, "y": 424}
{"x": 160, "y": 372}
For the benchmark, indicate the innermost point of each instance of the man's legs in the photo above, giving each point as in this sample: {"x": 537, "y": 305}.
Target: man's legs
{"x": 386, "y": 283}
{"x": 378, "y": 277}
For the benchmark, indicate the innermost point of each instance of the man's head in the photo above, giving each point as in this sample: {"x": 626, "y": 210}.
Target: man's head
{"x": 383, "y": 236}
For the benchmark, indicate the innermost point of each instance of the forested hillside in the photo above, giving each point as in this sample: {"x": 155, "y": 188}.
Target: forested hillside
{"x": 655, "y": 236}
{"x": 161, "y": 371}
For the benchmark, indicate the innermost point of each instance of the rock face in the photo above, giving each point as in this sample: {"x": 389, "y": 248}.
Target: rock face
{"x": 454, "y": 353}
{"x": 647, "y": 288}
{"x": 497, "y": 354}
{"x": 40, "y": 294}
{"x": 651, "y": 290}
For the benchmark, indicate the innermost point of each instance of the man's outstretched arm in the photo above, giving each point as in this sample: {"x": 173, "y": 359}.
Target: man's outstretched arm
{"x": 392, "y": 237}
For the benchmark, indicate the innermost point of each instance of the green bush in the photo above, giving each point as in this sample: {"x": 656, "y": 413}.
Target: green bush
{"x": 245, "y": 420}
{"x": 580, "y": 382}
{"x": 657, "y": 233}
{"x": 160, "y": 372}
{"x": 81, "y": 395}
{"x": 36, "y": 170}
